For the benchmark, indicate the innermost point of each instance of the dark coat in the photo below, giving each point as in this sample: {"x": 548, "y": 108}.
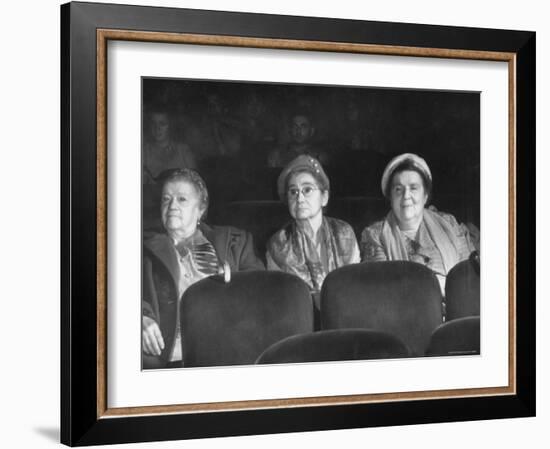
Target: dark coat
{"x": 161, "y": 272}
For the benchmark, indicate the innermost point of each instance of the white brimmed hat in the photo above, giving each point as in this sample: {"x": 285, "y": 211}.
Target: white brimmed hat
{"x": 415, "y": 160}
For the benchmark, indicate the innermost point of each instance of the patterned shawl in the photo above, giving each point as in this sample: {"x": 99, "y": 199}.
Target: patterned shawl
{"x": 291, "y": 250}
{"x": 442, "y": 232}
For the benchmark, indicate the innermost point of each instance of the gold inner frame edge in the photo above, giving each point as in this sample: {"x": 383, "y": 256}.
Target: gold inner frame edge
{"x": 103, "y": 36}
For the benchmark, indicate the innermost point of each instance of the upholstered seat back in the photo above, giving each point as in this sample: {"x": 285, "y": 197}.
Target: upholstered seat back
{"x": 462, "y": 291}
{"x": 456, "y": 337}
{"x": 261, "y": 218}
{"x": 333, "y": 345}
{"x": 401, "y": 298}
{"x": 233, "y": 323}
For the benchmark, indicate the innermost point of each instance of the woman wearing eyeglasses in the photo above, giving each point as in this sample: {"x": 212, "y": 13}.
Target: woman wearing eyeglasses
{"x": 310, "y": 245}
{"x": 188, "y": 251}
{"x": 412, "y": 231}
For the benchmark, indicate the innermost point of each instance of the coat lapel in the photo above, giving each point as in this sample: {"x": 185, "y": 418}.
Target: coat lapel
{"x": 219, "y": 238}
{"x": 162, "y": 248}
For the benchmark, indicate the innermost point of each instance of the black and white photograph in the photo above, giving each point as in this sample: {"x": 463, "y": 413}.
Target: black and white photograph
{"x": 246, "y": 224}
{"x": 299, "y": 223}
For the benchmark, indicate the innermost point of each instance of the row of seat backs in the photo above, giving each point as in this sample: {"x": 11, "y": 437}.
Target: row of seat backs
{"x": 402, "y": 298}
{"x": 456, "y": 337}
{"x": 232, "y": 323}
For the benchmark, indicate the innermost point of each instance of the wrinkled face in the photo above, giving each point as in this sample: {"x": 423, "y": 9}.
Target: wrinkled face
{"x": 305, "y": 199}
{"x": 408, "y": 197}
{"x": 159, "y": 126}
{"x": 301, "y": 129}
{"x": 180, "y": 207}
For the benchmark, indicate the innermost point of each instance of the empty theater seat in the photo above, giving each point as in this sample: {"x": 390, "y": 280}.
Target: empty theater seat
{"x": 151, "y": 208}
{"x": 333, "y": 345}
{"x": 462, "y": 291}
{"x": 233, "y": 323}
{"x": 261, "y": 218}
{"x": 456, "y": 337}
{"x": 401, "y": 298}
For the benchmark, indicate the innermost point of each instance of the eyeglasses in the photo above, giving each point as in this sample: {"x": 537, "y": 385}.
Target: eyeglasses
{"x": 307, "y": 191}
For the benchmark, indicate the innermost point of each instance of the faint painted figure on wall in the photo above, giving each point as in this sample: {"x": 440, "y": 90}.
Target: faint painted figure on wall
{"x": 160, "y": 150}
{"x": 301, "y": 132}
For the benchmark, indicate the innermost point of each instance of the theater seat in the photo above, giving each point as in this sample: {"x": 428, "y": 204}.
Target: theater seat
{"x": 456, "y": 337}
{"x": 462, "y": 291}
{"x": 151, "y": 209}
{"x": 233, "y": 323}
{"x": 261, "y": 218}
{"x": 334, "y": 345}
{"x": 398, "y": 297}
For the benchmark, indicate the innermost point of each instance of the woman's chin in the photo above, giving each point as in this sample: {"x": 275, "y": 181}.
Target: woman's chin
{"x": 407, "y": 221}
{"x": 407, "y": 214}
{"x": 173, "y": 224}
{"x": 303, "y": 215}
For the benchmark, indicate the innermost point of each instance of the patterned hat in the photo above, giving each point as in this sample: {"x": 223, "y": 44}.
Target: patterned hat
{"x": 305, "y": 163}
{"x": 415, "y": 160}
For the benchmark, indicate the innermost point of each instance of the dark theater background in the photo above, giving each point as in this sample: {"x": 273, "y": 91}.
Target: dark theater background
{"x": 232, "y": 130}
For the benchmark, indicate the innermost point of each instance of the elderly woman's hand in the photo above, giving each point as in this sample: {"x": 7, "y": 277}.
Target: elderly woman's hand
{"x": 151, "y": 337}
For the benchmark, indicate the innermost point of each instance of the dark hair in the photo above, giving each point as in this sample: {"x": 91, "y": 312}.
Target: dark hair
{"x": 189, "y": 175}
{"x": 301, "y": 113}
{"x": 409, "y": 165}
{"x": 157, "y": 110}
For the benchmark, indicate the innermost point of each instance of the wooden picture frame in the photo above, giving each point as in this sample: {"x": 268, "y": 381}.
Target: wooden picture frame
{"x": 86, "y": 30}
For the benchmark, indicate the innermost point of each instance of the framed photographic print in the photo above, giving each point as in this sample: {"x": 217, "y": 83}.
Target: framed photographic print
{"x": 269, "y": 219}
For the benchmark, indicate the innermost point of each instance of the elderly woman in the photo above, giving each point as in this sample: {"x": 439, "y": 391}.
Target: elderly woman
{"x": 310, "y": 245}
{"x": 186, "y": 252}
{"x": 411, "y": 231}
